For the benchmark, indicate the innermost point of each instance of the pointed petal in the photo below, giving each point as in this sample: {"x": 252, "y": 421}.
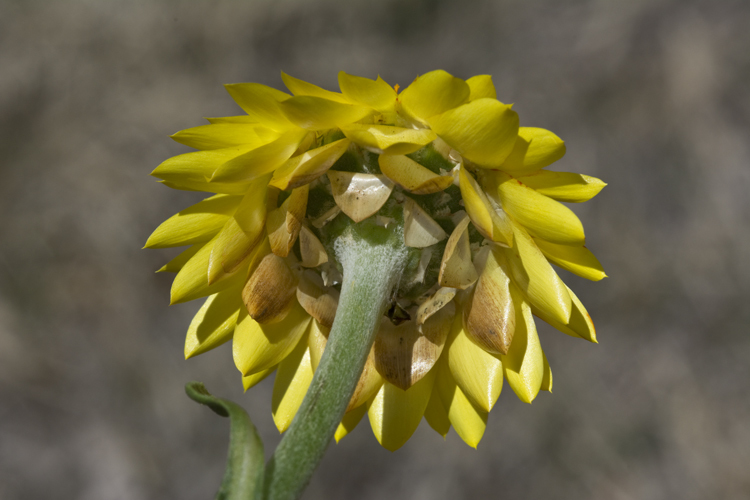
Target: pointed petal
{"x": 174, "y": 265}
{"x": 540, "y": 215}
{"x": 241, "y": 233}
{"x": 412, "y": 176}
{"x": 524, "y": 363}
{"x": 535, "y": 148}
{"x": 359, "y": 195}
{"x": 258, "y": 347}
{"x": 207, "y": 187}
{"x": 456, "y": 268}
{"x": 284, "y": 223}
{"x": 395, "y": 414}
{"x": 316, "y": 341}
{"x": 436, "y": 414}
{"x": 478, "y": 373}
{"x": 225, "y": 135}
{"x": 311, "y": 249}
{"x": 489, "y": 219}
{"x": 547, "y": 379}
{"x": 302, "y": 88}
{"x": 259, "y": 161}
{"x": 368, "y": 385}
{"x": 489, "y": 319}
{"x": 580, "y": 324}
{"x": 249, "y": 381}
{"x": 483, "y": 131}
{"x": 316, "y": 113}
{"x": 432, "y": 94}
{"x": 292, "y": 380}
{"x": 404, "y": 354}
{"x": 387, "y": 139}
{"x": 420, "y": 230}
{"x": 577, "y": 260}
{"x": 350, "y": 422}
{"x": 468, "y": 420}
{"x": 192, "y": 280}
{"x": 214, "y": 323}
{"x": 195, "y": 224}
{"x": 481, "y": 86}
{"x": 563, "y": 186}
{"x": 261, "y": 103}
{"x": 270, "y": 292}
{"x": 305, "y": 168}
{"x": 318, "y": 300}
{"x": 196, "y": 167}
{"x": 376, "y": 94}
{"x": 534, "y": 276}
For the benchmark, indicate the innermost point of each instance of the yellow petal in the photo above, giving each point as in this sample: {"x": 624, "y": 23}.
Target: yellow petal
{"x": 349, "y": 422}
{"x": 195, "y": 224}
{"x": 305, "y": 168}
{"x": 432, "y": 94}
{"x": 468, "y": 420}
{"x": 478, "y": 373}
{"x": 534, "y": 276}
{"x": 207, "y": 187}
{"x": 456, "y": 268}
{"x": 547, "y": 379}
{"x": 524, "y": 363}
{"x": 489, "y": 319}
{"x": 436, "y": 414}
{"x": 483, "y": 131}
{"x": 196, "y": 167}
{"x": 489, "y": 219}
{"x": 563, "y": 186}
{"x": 580, "y": 324}
{"x": 284, "y": 223}
{"x": 292, "y": 380}
{"x": 258, "y": 347}
{"x": 241, "y": 233}
{"x": 369, "y": 383}
{"x": 376, "y": 94}
{"x": 259, "y": 161}
{"x": 412, "y": 176}
{"x": 316, "y": 113}
{"x": 481, "y": 86}
{"x": 577, "y": 260}
{"x": 395, "y": 414}
{"x": 174, "y": 265}
{"x": 302, "y": 88}
{"x": 214, "y": 323}
{"x": 387, "y": 139}
{"x": 225, "y": 135}
{"x": 316, "y": 341}
{"x": 256, "y": 378}
{"x": 192, "y": 280}
{"x": 535, "y": 148}
{"x": 540, "y": 215}
{"x": 261, "y": 103}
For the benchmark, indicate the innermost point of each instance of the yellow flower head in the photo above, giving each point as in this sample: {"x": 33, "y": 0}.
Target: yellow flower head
{"x": 443, "y": 164}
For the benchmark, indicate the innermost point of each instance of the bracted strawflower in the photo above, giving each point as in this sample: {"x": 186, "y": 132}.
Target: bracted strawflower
{"x": 410, "y": 234}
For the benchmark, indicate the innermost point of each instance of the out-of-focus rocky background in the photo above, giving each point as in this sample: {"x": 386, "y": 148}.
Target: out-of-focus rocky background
{"x": 652, "y": 96}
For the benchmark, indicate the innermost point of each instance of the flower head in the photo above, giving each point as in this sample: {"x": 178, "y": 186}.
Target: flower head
{"x": 444, "y": 165}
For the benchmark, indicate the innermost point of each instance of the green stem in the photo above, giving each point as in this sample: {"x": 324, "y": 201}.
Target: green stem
{"x": 372, "y": 267}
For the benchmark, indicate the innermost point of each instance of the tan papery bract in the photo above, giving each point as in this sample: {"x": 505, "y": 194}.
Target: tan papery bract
{"x": 437, "y": 301}
{"x": 269, "y": 293}
{"x": 456, "y": 268}
{"x": 319, "y": 301}
{"x": 312, "y": 251}
{"x": 359, "y": 195}
{"x": 404, "y": 354}
{"x": 283, "y": 224}
{"x": 420, "y": 230}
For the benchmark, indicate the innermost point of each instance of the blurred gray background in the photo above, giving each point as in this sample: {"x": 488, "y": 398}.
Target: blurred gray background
{"x": 651, "y": 96}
